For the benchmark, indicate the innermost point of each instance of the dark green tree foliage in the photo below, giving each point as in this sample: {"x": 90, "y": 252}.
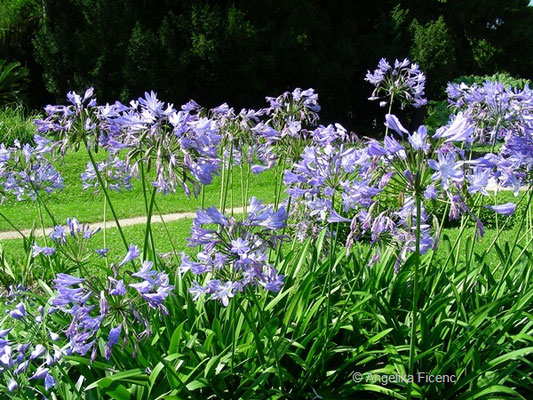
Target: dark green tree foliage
{"x": 19, "y": 20}
{"x": 240, "y": 51}
{"x": 433, "y": 48}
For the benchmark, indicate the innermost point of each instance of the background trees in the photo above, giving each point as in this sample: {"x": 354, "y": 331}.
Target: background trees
{"x": 238, "y": 51}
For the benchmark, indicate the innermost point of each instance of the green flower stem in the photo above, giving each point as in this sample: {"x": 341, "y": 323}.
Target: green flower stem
{"x": 12, "y": 225}
{"x": 167, "y": 231}
{"x": 390, "y": 109}
{"x": 105, "y": 230}
{"x": 278, "y": 185}
{"x": 414, "y": 316}
{"x": 243, "y": 200}
{"x": 42, "y": 222}
{"x": 223, "y": 179}
{"x": 41, "y": 201}
{"x": 278, "y": 253}
{"x": 412, "y": 344}
{"x": 106, "y": 194}
{"x": 233, "y": 332}
{"x": 454, "y": 247}
{"x": 149, "y": 206}
{"x": 226, "y": 179}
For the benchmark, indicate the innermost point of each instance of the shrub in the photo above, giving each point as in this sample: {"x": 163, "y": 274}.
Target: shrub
{"x": 13, "y": 82}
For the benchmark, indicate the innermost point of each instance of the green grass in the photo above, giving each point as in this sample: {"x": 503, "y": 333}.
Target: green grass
{"x": 15, "y": 124}
{"x": 179, "y": 231}
{"x": 87, "y": 206}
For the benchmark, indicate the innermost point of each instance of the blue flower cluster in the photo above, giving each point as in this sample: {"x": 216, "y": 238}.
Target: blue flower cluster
{"x": 107, "y": 312}
{"x": 234, "y": 253}
{"x": 404, "y": 82}
{"x": 497, "y": 111}
{"x": 29, "y": 348}
{"x": 25, "y": 171}
{"x": 181, "y": 145}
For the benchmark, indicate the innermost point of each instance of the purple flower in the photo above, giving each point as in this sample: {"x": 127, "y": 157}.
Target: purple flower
{"x": 117, "y": 287}
{"x": 220, "y": 291}
{"x": 419, "y": 139}
{"x": 460, "y": 130}
{"x": 479, "y": 181}
{"x": 447, "y": 168}
{"x": 335, "y": 217}
{"x": 195, "y": 267}
{"x": 240, "y": 246}
{"x": 430, "y": 193}
{"x": 271, "y": 281}
{"x": 132, "y": 254}
{"x": 211, "y": 216}
{"x": 103, "y": 252}
{"x": 236, "y": 250}
{"x": 113, "y": 338}
{"x": 196, "y": 290}
{"x": 49, "y": 382}
{"x": 503, "y": 209}
{"x": 393, "y": 147}
{"x": 146, "y": 272}
{"x": 19, "y": 312}
{"x": 392, "y": 122}
{"x": 5, "y": 332}
{"x": 37, "y": 352}
{"x": 41, "y": 373}
{"x": 67, "y": 280}
{"x": 404, "y": 83}
{"x": 47, "y": 251}
{"x": 12, "y": 385}
{"x": 58, "y": 234}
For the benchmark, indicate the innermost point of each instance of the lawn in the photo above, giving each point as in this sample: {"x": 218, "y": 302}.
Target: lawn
{"x": 74, "y": 201}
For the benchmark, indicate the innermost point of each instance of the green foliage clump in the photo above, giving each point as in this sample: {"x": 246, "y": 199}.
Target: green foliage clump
{"x": 204, "y": 50}
{"x": 16, "y": 124}
{"x": 433, "y": 49}
{"x": 13, "y": 82}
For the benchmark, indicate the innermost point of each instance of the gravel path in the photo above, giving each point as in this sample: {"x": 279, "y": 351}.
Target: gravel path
{"x": 142, "y": 220}
{"x": 110, "y": 224}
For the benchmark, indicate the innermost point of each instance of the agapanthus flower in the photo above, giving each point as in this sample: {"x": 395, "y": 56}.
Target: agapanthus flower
{"x": 25, "y": 170}
{"x": 181, "y": 145}
{"x": 91, "y": 310}
{"x": 331, "y": 180}
{"x": 447, "y": 168}
{"x": 114, "y": 172}
{"x": 288, "y": 120}
{"x": 45, "y": 250}
{"x": 29, "y": 347}
{"x": 460, "y": 129}
{"x": 496, "y": 110}
{"x": 71, "y": 241}
{"x": 479, "y": 180}
{"x": 404, "y": 82}
{"x": 503, "y": 209}
{"x": 133, "y": 253}
{"x": 65, "y": 121}
{"x": 234, "y": 252}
